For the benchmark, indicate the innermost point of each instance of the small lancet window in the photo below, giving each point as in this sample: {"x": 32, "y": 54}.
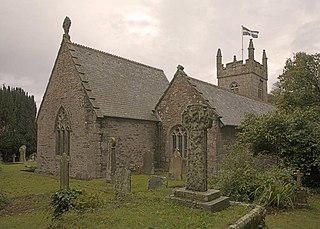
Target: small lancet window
{"x": 234, "y": 87}
{"x": 179, "y": 140}
{"x": 62, "y": 132}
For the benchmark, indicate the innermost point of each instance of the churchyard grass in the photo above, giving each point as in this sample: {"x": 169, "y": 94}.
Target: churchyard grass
{"x": 30, "y": 193}
{"x": 297, "y": 218}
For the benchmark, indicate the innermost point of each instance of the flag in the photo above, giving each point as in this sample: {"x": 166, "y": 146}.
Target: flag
{"x": 248, "y": 32}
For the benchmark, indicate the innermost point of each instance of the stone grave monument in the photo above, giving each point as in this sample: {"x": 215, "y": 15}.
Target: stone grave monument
{"x": 157, "y": 182}
{"x": 22, "y": 151}
{"x": 301, "y": 195}
{"x": 64, "y": 172}
{"x": 197, "y": 119}
{"x": 148, "y": 165}
{"x": 175, "y": 168}
{"x": 122, "y": 182}
{"x": 111, "y": 161}
{"x": 14, "y": 158}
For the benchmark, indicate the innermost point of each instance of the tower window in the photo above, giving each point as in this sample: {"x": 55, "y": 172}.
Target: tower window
{"x": 234, "y": 87}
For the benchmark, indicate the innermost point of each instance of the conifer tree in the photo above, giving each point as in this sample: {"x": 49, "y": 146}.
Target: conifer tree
{"x": 17, "y": 122}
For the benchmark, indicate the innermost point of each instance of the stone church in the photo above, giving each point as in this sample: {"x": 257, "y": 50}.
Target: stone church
{"x": 92, "y": 96}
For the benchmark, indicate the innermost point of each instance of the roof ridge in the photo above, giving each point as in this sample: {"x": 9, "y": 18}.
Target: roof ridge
{"x": 110, "y": 54}
{"x": 224, "y": 89}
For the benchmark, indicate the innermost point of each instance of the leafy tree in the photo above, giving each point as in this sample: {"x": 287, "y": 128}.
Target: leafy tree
{"x": 299, "y": 84}
{"x": 293, "y": 138}
{"x": 17, "y": 122}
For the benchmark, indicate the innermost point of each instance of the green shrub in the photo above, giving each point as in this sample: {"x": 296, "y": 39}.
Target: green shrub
{"x": 248, "y": 178}
{"x": 237, "y": 174}
{"x": 276, "y": 188}
{"x": 63, "y": 200}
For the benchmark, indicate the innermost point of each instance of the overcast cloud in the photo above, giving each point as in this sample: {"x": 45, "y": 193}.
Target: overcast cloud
{"x": 160, "y": 33}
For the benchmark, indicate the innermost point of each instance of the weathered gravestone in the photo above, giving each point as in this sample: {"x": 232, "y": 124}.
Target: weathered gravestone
{"x": 122, "y": 182}
{"x": 14, "y": 158}
{"x": 111, "y": 161}
{"x": 301, "y": 195}
{"x": 64, "y": 172}
{"x": 175, "y": 169}
{"x": 157, "y": 182}
{"x": 148, "y": 166}
{"x": 22, "y": 151}
{"x": 197, "y": 119}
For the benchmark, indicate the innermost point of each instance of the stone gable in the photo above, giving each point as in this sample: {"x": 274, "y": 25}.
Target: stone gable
{"x": 65, "y": 89}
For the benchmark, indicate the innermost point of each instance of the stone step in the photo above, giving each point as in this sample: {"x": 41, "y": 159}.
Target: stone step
{"x": 209, "y": 195}
{"x": 214, "y": 205}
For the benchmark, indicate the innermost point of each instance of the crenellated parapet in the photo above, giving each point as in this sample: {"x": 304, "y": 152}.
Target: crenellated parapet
{"x": 248, "y": 78}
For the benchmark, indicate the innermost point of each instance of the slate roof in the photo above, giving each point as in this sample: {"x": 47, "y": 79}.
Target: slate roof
{"x": 116, "y": 86}
{"x": 231, "y": 107}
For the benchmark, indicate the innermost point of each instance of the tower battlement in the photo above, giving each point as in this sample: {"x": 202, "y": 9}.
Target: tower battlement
{"x": 247, "y": 78}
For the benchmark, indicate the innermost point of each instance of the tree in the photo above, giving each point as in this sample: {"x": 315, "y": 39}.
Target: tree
{"x": 291, "y": 133}
{"x": 17, "y": 122}
{"x": 299, "y": 84}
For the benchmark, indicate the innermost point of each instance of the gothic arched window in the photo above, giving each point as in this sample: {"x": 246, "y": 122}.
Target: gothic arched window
{"x": 234, "y": 87}
{"x": 179, "y": 140}
{"x": 62, "y": 130}
{"x": 260, "y": 89}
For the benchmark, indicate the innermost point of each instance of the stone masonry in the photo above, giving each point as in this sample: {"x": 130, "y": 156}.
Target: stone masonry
{"x": 197, "y": 119}
{"x": 246, "y": 75}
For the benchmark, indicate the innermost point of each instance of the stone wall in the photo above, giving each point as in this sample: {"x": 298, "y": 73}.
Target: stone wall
{"x": 133, "y": 139}
{"x": 226, "y": 136}
{"x": 65, "y": 89}
{"x": 177, "y": 97}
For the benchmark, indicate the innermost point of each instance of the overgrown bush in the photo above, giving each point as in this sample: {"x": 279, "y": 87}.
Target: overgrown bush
{"x": 248, "y": 178}
{"x": 63, "y": 200}
{"x": 237, "y": 174}
{"x": 276, "y": 188}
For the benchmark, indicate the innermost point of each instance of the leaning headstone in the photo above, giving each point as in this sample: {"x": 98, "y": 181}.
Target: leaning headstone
{"x": 64, "y": 172}
{"x": 175, "y": 169}
{"x": 148, "y": 166}
{"x": 122, "y": 182}
{"x": 157, "y": 182}
{"x": 197, "y": 119}
{"x": 111, "y": 161}
{"x": 22, "y": 151}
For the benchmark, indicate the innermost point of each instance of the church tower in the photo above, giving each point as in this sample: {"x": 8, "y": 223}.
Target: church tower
{"x": 248, "y": 79}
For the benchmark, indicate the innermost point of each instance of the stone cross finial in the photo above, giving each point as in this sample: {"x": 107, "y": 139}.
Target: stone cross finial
{"x": 66, "y": 27}
{"x": 197, "y": 119}
{"x": 180, "y": 67}
{"x": 64, "y": 172}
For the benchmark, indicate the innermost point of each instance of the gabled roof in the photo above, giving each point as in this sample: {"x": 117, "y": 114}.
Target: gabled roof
{"x": 231, "y": 107}
{"x": 118, "y": 87}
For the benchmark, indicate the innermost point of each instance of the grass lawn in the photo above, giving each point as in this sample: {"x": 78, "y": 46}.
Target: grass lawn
{"x": 298, "y": 218}
{"x": 30, "y": 193}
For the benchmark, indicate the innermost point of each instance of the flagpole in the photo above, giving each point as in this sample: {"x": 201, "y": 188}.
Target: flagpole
{"x": 242, "y": 42}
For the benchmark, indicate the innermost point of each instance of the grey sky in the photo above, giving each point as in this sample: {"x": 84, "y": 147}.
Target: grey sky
{"x": 160, "y": 33}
